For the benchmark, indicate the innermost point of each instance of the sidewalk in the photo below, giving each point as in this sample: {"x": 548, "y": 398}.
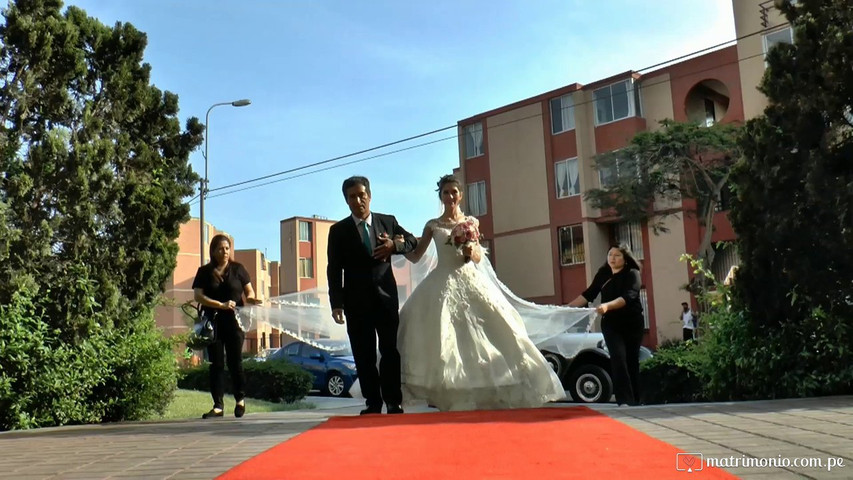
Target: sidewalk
{"x": 819, "y": 428}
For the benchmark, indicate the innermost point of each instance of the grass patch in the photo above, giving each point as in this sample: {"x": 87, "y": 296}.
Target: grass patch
{"x": 192, "y": 403}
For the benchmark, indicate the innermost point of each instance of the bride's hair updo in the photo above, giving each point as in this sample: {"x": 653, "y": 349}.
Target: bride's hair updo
{"x": 447, "y": 180}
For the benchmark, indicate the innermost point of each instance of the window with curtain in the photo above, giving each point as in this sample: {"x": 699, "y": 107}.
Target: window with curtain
{"x": 304, "y": 231}
{"x": 571, "y": 245}
{"x": 473, "y": 140}
{"x": 306, "y": 268}
{"x": 476, "y": 195}
{"x": 567, "y": 178}
{"x": 616, "y": 101}
{"x": 631, "y": 234}
{"x": 562, "y": 114}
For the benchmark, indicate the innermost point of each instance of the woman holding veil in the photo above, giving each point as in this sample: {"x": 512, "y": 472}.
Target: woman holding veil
{"x": 462, "y": 341}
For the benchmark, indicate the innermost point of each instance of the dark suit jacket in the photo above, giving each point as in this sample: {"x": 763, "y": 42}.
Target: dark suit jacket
{"x": 353, "y": 273}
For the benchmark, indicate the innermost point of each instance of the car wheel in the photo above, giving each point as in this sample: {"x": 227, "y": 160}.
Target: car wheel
{"x": 557, "y": 363}
{"x": 335, "y": 385}
{"x": 590, "y": 384}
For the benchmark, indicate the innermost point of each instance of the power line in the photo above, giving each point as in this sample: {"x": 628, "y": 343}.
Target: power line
{"x": 641, "y": 86}
{"x": 334, "y": 159}
{"x": 493, "y": 126}
{"x": 336, "y": 166}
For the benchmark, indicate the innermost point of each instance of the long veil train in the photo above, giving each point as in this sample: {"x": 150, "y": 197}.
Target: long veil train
{"x": 306, "y": 315}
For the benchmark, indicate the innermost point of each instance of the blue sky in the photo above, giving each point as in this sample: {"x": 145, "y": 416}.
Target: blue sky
{"x": 328, "y": 78}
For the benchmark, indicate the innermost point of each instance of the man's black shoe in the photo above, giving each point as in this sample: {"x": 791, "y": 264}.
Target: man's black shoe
{"x": 371, "y": 411}
{"x": 239, "y": 410}
{"x": 213, "y": 414}
{"x": 395, "y": 409}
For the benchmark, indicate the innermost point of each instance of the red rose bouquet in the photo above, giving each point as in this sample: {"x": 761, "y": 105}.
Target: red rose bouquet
{"x": 464, "y": 233}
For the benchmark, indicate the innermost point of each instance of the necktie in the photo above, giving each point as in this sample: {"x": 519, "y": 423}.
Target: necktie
{"x": 365, "y": 237}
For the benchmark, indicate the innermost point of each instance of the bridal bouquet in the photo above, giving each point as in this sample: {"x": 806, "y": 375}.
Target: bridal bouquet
{"x": 464, "y": 233}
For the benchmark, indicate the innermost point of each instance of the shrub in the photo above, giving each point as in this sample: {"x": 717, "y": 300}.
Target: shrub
{"x": 812, "y": 357}
{"x": 274, "y": 380}
{"x": 673, "y": 374}
{"x": 112, "y": 374}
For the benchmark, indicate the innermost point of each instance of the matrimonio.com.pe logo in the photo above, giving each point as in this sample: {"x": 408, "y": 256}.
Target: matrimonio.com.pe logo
{"x": 689, "y": 462}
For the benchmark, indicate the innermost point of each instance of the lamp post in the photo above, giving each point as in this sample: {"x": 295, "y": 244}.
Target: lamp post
{"x": 203, "y": 186}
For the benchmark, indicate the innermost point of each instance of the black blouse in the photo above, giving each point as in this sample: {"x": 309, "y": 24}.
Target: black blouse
{"x": 625, "y": 284}
{"x": 236, "y": 277}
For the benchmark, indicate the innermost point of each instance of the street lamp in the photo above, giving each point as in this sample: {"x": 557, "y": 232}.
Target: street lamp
{"x": 203, "y": 186}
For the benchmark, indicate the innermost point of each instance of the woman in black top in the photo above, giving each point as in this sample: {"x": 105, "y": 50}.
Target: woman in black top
{"x": 219, "y": 287}
{"x": 619, "y": 283}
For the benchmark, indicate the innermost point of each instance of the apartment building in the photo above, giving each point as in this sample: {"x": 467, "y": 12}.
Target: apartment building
{"x": 303, "y": 243}
{"x": 526, "y": 166}
{"x": 261, "y": 335}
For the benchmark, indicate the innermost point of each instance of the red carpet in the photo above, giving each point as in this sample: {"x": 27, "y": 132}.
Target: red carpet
{"x": 543, "y": 443}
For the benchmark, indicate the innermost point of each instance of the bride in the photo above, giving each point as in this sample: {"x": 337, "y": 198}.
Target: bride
{"x": 463, "y": 345}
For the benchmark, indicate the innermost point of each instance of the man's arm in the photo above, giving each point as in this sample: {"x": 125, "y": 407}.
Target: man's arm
{"x": 409, "y": 242}
{"x": 334, "y": 270}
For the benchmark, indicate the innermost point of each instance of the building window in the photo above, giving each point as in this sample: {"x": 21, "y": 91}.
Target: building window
{"x": 567, "y": 179}
{"x": 644, "y": 300}
{"x": 562, "y": 114}
{"x": 304, "y": 231}
{"x": 476, "y": 194}
{"x": 306, "y": 268}
{"x": 473, "y": 140}
{"x": 785, "y": 35}
{"x": 615, "y": 102}
{"x": 571, "y": 245}
{"x": 621, "y": 168}
{"x": 725, "y": 258}
{"x": 710, "y": 112}
{"x": 630, "y": 234}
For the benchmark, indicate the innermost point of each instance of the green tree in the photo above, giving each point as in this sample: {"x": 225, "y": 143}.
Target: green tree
{"x": 681, "y": 168}
{"x": 93, "y": 172}
{"x": 794, "y": 206}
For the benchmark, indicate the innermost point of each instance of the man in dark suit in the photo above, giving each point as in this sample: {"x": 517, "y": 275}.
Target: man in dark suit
{"x": 362, "y": 286}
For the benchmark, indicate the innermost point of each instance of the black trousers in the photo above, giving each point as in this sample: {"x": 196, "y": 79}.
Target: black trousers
{"x": 623, "y": 336}
{"x": 687, "y": 334}
{"x": 364, "y": 325}
{"x": 228, "y": 347}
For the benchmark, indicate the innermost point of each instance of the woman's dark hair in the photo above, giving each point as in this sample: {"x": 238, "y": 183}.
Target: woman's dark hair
{"x": 447, "y": 180}
{"x": 214, "y": 244}
{"x": 353, "y": 181}
{"x": 630, "y": 261}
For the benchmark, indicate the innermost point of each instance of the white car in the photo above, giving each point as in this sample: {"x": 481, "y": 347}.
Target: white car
{"x": 581, "y": 361}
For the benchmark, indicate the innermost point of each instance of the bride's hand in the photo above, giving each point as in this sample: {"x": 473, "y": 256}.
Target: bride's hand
{"x": 468, "y": 251}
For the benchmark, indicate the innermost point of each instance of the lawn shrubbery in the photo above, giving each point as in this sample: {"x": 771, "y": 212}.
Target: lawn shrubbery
{"x": 739, "y": 359}
{"x": 673, "y": 374}
{"x": 273, "y": 380}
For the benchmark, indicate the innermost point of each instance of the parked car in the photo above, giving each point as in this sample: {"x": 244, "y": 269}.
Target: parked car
{"x": 581, "y": 361}
{"x": 264, "y": 354}
{"x": 329, "y": 361}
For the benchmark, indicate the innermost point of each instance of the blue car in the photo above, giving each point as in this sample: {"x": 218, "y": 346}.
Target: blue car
{"x": 329, "y": 361}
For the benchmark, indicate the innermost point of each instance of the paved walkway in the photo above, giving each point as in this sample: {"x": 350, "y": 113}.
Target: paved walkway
{"x": 785, "y": 430}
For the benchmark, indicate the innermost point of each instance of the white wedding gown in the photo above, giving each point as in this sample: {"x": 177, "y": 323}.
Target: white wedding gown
{"x": 462, "y": 344}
